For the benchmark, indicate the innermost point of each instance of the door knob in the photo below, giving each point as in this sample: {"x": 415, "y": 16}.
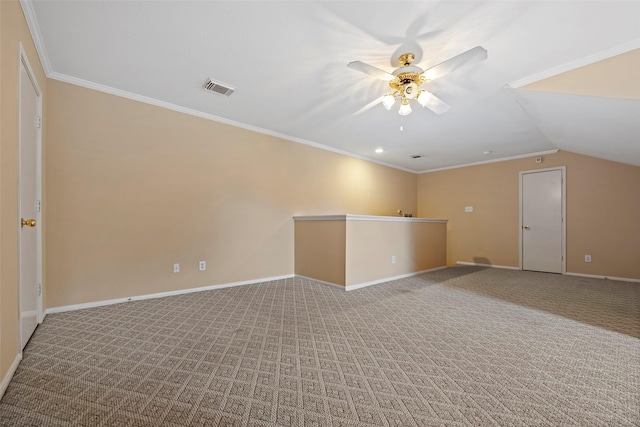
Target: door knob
{"x": 525, "y": 227}
{"x": 27, "y": 222}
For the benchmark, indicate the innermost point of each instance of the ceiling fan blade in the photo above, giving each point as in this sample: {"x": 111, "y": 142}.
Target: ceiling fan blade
{"x": 436, "y": 105}
{"x": 371, "y": 70}
{"x": 369, "y": 105}
{"x": 472, "y": 56}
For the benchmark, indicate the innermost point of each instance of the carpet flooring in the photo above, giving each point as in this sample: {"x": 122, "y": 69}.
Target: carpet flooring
{"x": 455, "y": 347}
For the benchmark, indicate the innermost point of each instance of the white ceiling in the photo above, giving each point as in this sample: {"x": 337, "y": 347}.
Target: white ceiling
{"x": 288, "y": 62}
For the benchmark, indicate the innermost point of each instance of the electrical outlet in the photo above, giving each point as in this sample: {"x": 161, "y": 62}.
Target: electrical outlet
{"x": 393, "y": 259}
{"x": 587, "y": 258}
{"x": 468, "y": 208}
{"x": 202, "y": 265}
{"x": 176, "y": 268}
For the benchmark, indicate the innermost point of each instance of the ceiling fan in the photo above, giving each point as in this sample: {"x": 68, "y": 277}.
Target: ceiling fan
{"x": 405, "y": 81}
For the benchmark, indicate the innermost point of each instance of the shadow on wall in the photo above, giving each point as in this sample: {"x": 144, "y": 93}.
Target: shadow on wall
{"x": 481, "y": 260}
{"x": 607, "y": 304}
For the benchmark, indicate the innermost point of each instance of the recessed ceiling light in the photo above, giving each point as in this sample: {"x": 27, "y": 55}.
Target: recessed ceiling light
{"x": 486, "y": 152}
{"x": 379, "y": 150}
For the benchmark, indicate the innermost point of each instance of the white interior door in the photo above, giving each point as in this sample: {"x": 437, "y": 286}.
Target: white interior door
{"x": 29, "y": 125}
{"x": 542, "y": 220}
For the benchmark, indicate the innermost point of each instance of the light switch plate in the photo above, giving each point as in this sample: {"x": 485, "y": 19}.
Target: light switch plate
{"x": 468, "y": 208}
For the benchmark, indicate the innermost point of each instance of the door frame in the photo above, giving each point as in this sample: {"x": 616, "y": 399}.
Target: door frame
{"x": 23, "y": 60}
{"x": 563, "y": 172}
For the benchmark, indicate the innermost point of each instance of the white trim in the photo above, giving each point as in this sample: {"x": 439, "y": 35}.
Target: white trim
{"x": 581, "y": 62}
{"x": 36, "y": 35}
{"x": 595, "y": 276}
{"x": 390, "y": 279}
{"x": 23, "y": 61}
{"x": 477, "y": 264}
{"x": 163, "y": 104}
{"x": 563, "y": 174}
{"x": 349, "y": 217}
{"x": 38, "y": 41}
{"x": 22, "y": 56}
{"x": 102, "y": 303}
{"x": 321, "y": 218}
{"x": 335, "y": 285}
{"x": 7, "y": 378}
{"x": 502, "y": 159}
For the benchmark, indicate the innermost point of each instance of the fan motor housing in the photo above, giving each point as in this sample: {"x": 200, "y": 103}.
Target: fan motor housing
{"x": 407, "y": 83}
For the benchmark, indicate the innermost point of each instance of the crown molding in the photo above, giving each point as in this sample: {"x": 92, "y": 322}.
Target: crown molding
{"x": 34, "y": 29}
{"x": 501, "y": 159}
{"x": 36, "y": 35}
{"x": 581, "y": 62}
{"x": 163, "y": 104}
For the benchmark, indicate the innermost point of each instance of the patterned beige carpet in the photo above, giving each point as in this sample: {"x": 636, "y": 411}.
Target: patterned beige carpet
{"x": 461, "y": 346}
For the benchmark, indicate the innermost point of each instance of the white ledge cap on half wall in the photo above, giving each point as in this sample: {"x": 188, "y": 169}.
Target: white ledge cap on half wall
{"x": 347, "y": 217}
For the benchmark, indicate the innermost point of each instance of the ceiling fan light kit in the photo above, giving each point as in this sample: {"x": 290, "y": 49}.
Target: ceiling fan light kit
{"x": 423, "y": 97}
{"x": 388, "y": 100}
{"x": 407, "y": 80}
{"x": 405, "y": 108}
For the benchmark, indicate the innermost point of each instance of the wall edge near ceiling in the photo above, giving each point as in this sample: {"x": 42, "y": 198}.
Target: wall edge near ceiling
{"x": 163, "y": 104}
{"x": 501, "y": 159}
{"x": 36, "y": 35}
{"x": 581, "y": 62}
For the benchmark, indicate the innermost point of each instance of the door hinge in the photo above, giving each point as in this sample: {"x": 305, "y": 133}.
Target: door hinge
{"x": 37, "y": 122}
{"x": 38, "y": 289}
{"x": 37, "y": 206}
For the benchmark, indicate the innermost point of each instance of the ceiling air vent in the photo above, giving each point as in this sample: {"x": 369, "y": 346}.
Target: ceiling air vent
{"x": 218, "y": 87}
{"x": 416, "y": 156}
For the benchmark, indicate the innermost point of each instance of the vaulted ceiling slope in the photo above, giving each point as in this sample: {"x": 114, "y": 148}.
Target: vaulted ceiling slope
{"x": 287, "y": 62}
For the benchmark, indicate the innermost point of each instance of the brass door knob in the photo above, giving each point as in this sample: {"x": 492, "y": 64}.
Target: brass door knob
{"x": 526, "y": 227}
{"x": 27, "y": 222}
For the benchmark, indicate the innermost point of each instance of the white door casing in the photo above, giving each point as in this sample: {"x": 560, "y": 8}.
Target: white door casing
{"x": 542, "y": 220}
{"x": 29, "y": 199}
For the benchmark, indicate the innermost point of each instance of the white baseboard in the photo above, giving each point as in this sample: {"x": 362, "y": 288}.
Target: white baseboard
{"x": 389, "y": 279}
{"x": 592, "y": 276}
{"x": 595, "y": 276}
{"x": 7, "y": 378}
{"x": 335, "y": 285}
{"x": 374, "y": 282}
{"x": 507, "y": 267}
{"x": 160, "y": 295}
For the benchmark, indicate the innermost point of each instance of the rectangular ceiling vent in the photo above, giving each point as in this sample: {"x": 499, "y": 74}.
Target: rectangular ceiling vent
{"x": 218, "y": 87}
{"x": 416, "y": 156}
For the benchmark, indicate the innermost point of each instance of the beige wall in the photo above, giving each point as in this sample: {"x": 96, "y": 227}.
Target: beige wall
{"x": 603, "y": 207}
{"x": 135, "y": 188}
{"x": 354, "y": 251}
{"x": 417, "y": 246}
{"x": 132, "y": 188}
{"x": 13, "y": 28}
{"x": 320, "y": 250}
{"x": 621, "y": 79}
